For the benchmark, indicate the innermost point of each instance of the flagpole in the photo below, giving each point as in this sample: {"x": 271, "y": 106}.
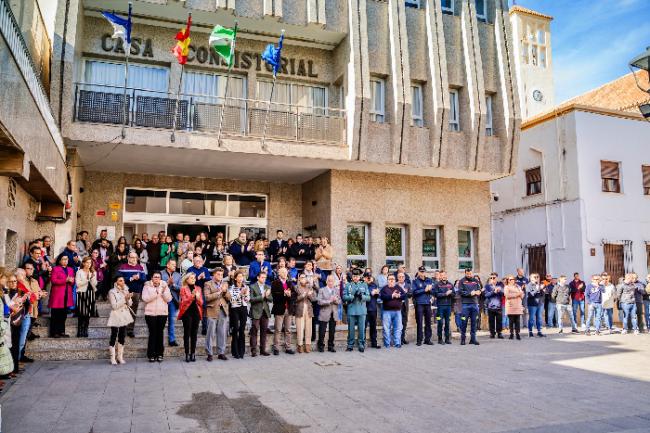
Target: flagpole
{"x": 127, "y": 51}
{"x": 178, "y": 94}
{"x": 225, "y": 94}
{"x": 124, "y": 103}
{"x": 268, "y": 108}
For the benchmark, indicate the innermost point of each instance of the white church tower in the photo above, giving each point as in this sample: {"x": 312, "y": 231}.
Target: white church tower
{"x": 531, "y": 35}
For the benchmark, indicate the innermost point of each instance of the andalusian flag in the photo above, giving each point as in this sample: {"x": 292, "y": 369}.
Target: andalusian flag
{"x": 182, "y": 48}
{"x": 222, "y": 41}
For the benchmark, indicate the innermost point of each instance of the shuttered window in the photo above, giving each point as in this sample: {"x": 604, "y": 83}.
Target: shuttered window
{"x": 614, "y": 260}
{"x": 534, "y": 181}
{"x": 645, "y": 169}
{"x": 610, "y": 175}
{"x": 537, "y": 259}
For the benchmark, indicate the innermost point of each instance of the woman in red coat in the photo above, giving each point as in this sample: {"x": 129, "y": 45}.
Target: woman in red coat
{"x": 191, "y": 313}
{"x": 60, "y": 297}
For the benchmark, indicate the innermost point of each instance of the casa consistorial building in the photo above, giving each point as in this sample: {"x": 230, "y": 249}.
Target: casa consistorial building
{"x": 389, "y": 119}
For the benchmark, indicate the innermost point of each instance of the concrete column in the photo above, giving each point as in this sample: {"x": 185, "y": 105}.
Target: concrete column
{"x": 438, "y": 118}
{"x": 226, "y": 4}
{"x": 507, "y": 82}
{"x": 450, "y": 251}
{"x": 474, "y": 79}
{"x": 377, "y": 245}
{"x": 399, "y": 64}
{"x": 273, "y": 8}
{"x": 414, "y": 247}
{"x": 316, "y": 12}
{"x": 357, "y": 99}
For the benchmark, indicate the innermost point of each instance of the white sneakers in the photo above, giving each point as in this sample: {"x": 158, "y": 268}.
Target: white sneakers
{"x": 624, "y": 331}
{"x": 111, "y": 350}
{"x": 636, "y": 332}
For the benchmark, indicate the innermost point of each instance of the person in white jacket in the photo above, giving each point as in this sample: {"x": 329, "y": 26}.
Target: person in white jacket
{"x": 609, "y": 300}
{"x": 86, "y": 282}
{"x": 118, "y": 319}
{"x": 156, "y": 297}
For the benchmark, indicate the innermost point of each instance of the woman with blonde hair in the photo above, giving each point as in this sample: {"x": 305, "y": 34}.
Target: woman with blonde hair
{"x": 118, "y": 319}
{"x": 86, "y": 280}
{"x": 305, "y": 295}
{"x": 514, "y": 307}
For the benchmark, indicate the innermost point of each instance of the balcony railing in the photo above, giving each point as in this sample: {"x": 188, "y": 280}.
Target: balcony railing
{"x": 202, "y": 113}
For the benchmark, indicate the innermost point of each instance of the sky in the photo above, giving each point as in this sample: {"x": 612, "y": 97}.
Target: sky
{"x": 593, "y": 40}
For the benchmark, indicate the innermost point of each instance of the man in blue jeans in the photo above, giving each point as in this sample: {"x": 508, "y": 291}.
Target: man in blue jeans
{"x": 577, "y": 287}
{"x": 173, "y": 280}
{"x": 392, "y": 296}
{"x": 626, "y": 294}
{"x": 594, "y": 295}
{"x": 444, "y": 292}
{"x": 535, "y": 304}
{"x": 469, "y": 289}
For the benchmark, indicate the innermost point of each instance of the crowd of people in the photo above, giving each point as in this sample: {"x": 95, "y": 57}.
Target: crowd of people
{"x": 272, "y": 286}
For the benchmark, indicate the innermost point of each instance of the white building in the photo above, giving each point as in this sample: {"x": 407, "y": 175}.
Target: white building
{"x": 579, "y": 200}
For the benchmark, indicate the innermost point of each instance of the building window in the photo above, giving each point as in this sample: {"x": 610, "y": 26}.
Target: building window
{"x": 534, "y": 47}
{"x": 447, "y": 6}
{"x": 645, "y": 170}
{"x": 524, "y": 53}
{"x": 454, "y": 115}
{"x": 11, "y": 193}
{"x": 109, "y": 77}
{"x": 536, "y": 259}
{"x": 211, "y": 88}
{"x": 395, "y": 246}
{"x": 614, "y": 265}
{"x": 357, "y": 245}
{"x": 310, "y": 99}
{"x": 610, "y": 175}
{"x": 413, "y": 3}
{"x": 534, "y": 181}
{"x": 431, "y": 248}
{"x": 465, "y": 249}
{"x": 377, "y": 102}
{"x": 481, "y": 12}
{"x": 489, "y": 130}
{"x": 416, "y": 107}
{"x": 143, "y": 200}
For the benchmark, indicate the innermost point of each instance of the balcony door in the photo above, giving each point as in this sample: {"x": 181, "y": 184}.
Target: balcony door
{"x": 106, "y": 76}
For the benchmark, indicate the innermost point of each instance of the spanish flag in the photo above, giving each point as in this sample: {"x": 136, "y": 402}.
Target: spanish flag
{"x": 182, "y": 48}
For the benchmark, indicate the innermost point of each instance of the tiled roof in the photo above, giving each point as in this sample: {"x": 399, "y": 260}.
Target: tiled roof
{"x": 517, "y": 8}
{"x": 621, "y": 94}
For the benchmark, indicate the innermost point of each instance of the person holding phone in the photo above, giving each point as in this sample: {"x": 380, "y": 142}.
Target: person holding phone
{"x": 190, "y": 312}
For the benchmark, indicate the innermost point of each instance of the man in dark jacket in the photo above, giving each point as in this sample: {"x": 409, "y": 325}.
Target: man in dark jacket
{"x": 535, "y": 302}
{"x": 494, "y": 296}
{"x": 300, "y": 252}
{"x": 278, "y": 247}
{"x": 240, "y": 250}
{"x": 260, "y": 314}
{"x": 577, "y": 287}
{"x": 284, "y": 298}
{"x": 392, "y": 297}
{"x": 408, "y": 290}
{"x": 371, "y": 307}
{"x": 103, "y": 235}
{"x": 153, "y": 251}
{"x": 444, "y": 291}
{"x": 422, "y": 292}
{"x": 561, "y": 296}
{"x": 469, "y": 290}
{"x": 135, "y": 277}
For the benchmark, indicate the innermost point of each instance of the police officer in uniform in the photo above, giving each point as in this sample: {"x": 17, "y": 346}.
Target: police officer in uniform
{"x": 422, "y": 292}
{"x": 469, "y": 289}
{"x": 444, "y": 292}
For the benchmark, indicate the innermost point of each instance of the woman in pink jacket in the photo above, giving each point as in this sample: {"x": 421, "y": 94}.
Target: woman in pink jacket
{"x": 156, "y": 296}
{"x": 514, "y": 305}
{"x": 60, "y": 297}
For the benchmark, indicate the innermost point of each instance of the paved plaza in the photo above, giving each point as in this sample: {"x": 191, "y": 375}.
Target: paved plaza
{"x": 558, "y": 384}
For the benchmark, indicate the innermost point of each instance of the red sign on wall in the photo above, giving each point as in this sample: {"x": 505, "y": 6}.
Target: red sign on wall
{"x": 100, "y": 212}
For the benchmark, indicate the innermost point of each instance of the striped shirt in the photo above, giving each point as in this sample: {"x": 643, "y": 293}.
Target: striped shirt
{"x": 237, "y": 300}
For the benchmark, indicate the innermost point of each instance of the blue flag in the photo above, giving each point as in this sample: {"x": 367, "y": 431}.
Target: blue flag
{"x": 121, "y": 28}
{"x": 273, "y": 55}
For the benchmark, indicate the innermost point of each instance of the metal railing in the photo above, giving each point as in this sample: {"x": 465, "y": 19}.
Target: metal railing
{"x": 202, "y": 113}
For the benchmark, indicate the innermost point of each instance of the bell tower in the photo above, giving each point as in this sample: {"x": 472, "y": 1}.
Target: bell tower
{"x": 531, "y": 35}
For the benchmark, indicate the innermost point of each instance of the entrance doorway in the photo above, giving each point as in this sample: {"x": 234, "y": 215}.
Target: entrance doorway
{"x": 195, "y": 229}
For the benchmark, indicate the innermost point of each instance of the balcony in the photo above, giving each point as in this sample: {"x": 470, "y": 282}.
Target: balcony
{"x": 141, "y": 108}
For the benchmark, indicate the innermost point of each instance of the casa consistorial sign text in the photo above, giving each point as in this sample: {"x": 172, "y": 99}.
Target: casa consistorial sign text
{"x": 203, "y": 55}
